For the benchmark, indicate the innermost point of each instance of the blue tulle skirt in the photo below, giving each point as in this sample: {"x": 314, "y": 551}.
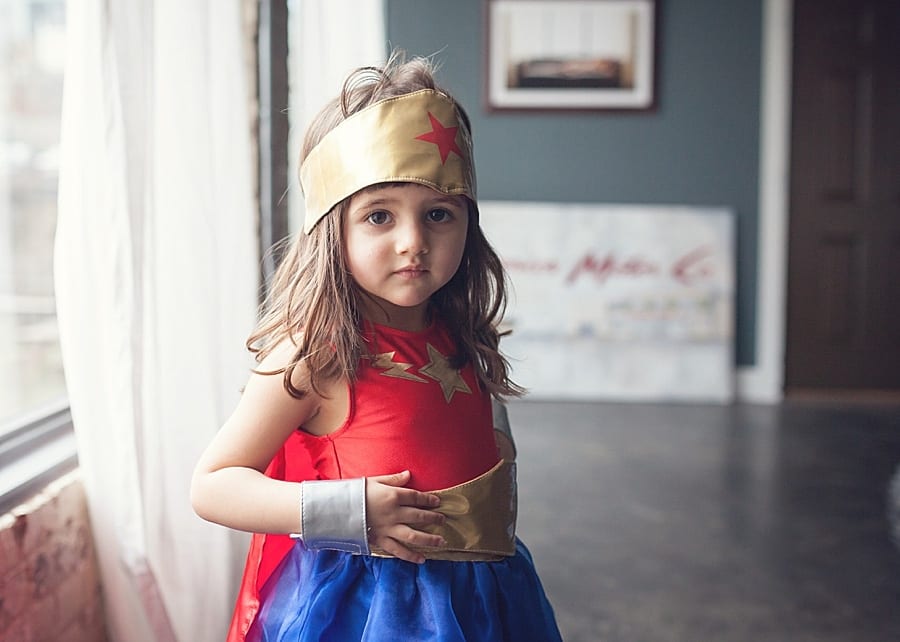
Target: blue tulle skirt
{"x": 330, "y": 596}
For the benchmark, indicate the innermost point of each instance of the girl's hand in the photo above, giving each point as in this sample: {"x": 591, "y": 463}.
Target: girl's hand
{"x": 392, "y": 511}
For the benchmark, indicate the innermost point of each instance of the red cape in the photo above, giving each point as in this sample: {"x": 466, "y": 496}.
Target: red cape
{"x": 292, "y": 463}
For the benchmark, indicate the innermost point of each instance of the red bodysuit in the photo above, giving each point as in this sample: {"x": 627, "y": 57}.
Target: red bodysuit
{"x": 409, "y": 409}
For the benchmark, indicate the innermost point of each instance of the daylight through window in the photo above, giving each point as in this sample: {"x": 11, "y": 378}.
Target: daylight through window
{"x": 32, "y": 55}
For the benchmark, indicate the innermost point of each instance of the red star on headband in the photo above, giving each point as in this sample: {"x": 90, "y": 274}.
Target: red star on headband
{"x": 443, "y": 137}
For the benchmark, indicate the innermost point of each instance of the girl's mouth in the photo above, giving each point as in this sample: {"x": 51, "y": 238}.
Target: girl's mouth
{"x": 411, "y": 271}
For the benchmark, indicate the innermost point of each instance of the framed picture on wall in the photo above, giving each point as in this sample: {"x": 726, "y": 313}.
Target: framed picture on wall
{"x": 571, "y": 54}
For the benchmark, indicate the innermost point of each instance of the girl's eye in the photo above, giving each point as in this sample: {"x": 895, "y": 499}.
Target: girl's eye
{"x": 378, "y": 218}
{"x": 438, "y": 215}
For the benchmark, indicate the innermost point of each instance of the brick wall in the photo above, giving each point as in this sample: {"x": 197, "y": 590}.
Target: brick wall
{"x": 49, "y": 583}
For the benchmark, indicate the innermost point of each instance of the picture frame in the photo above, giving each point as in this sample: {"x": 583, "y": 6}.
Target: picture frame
{"x": 571, "y": 55}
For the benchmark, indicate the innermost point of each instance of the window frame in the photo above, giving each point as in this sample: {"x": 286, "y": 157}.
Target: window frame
{"x": 35, "y": 449}
{"x": 273, "y": 129}
{"x": 39, "y": 446}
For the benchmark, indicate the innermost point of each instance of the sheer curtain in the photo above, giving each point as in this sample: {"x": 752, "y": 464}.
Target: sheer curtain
{"x": 156, "y": 283}
{"x": 324, "y": 47}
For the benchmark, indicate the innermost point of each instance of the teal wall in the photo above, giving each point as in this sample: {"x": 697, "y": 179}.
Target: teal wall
{"x": 699, "y": 147}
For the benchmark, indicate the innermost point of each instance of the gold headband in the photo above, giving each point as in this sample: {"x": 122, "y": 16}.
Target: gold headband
{"x": 413, "y": 138}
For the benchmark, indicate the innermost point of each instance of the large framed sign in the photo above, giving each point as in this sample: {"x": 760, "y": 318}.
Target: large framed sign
{"x": 618, "y": 302}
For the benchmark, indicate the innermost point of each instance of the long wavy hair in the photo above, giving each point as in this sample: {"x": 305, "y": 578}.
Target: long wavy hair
{"x": 313, "y": 301}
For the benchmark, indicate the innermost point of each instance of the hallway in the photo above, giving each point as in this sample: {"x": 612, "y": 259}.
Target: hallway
{"x": 658, "y": 523}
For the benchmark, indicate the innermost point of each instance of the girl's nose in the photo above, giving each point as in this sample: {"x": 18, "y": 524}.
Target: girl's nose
{"x": 412, "y": 239}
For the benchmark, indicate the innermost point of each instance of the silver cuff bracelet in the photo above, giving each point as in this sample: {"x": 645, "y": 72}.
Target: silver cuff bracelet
{"x": 333, "y": 515}
{"x": 501, "y": 421}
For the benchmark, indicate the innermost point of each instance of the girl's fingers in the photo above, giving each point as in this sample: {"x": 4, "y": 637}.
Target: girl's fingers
{"x": 406, "y": 496}
{"x": 397, "y": 479}
{"x": 423, "y": 517}
{"x": 402, "y": 537}
{"x": 415, "y": 498}
{"x": 406, "y": 536}
{"x": 401, "y": 552}
{"x": 395, "y": 514}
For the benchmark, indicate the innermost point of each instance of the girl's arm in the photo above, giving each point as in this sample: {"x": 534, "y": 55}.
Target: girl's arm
{"x": 229, "y": 487}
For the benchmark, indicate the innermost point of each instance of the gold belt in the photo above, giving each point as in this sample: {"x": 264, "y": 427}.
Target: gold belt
{"x": 481, "y": 519}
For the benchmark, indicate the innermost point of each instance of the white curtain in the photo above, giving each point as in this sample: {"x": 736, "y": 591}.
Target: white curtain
{"x": 328, "y": 40}
{"x": 156, "y": 283}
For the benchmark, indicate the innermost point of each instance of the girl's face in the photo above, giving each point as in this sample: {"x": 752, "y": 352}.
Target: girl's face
{"x": 404, "y": 242}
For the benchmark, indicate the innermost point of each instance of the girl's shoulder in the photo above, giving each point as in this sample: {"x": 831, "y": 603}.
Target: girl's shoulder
{"x": 266, "y": 414}
{"x": 268, "y": 378}
{"x": 281, "y": 357}
{"x": 321, "y": 405}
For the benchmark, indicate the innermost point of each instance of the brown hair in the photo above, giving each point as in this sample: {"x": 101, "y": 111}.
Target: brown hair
{"x": 313, "y": 300}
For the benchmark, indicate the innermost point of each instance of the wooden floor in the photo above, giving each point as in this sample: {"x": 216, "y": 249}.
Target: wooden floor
{"x": 693, "y": 523}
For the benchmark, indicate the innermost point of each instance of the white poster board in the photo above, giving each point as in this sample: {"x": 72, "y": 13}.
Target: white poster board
{"x": 617, "y": 302}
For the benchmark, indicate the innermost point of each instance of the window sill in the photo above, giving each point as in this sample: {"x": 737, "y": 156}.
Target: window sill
{"x": 34, "y": 451}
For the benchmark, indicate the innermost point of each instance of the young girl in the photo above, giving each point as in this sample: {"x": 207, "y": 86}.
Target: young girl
{"x": 363, "y": 445}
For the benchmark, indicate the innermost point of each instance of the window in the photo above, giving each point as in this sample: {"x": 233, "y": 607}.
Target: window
{"x": 32, "y": 55}
{"x": 36, "y": 439}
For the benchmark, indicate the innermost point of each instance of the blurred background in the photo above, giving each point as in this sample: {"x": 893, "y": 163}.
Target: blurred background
{"x": 738, "y": 430}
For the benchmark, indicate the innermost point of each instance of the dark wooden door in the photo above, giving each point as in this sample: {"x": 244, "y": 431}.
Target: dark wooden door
{"x": 844, "y": 240}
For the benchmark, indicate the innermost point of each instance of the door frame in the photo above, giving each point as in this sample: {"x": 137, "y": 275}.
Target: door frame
{"x": 763, "y": 382}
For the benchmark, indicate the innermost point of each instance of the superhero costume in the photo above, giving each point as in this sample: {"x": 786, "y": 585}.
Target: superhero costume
{"x": 409, "y": 409}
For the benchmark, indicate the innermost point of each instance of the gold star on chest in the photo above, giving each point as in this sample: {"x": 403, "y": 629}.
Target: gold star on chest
{"x": 385, "y": 361}
{"x": 447, "y": 376}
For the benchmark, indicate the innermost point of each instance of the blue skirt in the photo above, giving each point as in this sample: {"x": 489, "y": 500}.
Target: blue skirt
{"x": 324, "y": 596}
